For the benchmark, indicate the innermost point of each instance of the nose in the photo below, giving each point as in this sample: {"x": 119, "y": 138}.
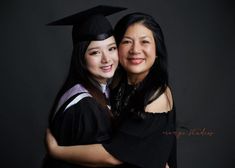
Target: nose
{"x": 135, "y": 48}
{"x": 105, "y": 57}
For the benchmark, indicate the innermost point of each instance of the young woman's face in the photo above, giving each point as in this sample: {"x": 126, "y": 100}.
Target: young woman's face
{"x": 102, "y": 59}
{"x": 137, "y": 50}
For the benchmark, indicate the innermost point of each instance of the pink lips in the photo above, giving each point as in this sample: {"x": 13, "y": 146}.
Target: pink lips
{"x": 135, "y": 61}
{"x": 106, "y": 68}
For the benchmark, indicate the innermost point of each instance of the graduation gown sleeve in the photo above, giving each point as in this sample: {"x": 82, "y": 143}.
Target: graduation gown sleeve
{"x": 83, "y": 123}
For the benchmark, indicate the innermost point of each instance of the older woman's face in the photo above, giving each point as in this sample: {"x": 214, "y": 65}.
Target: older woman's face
{"x": 137, "y": 50}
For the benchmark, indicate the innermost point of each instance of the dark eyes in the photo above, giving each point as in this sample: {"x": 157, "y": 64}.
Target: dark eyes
{"x": 113, "y": 48}
{"x": 94, "y": 53}
{"x": 129, "y": 42}
{"x": 126, "y": 41}
{"x": 145, "y": 42}
{"x": 98, "y": 52}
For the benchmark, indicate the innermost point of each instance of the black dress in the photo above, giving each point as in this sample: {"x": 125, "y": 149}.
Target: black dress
{"x": 147, "y": 143}
{"x": 144, "y": 142}
{"x": 85, "y": 122}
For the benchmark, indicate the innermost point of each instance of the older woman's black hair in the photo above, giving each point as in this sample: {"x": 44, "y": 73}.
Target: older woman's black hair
{"x": 157, "y": 80}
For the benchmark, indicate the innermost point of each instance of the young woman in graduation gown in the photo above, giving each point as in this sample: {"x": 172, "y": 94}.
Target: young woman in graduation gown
{"x": 81, "y": 114}
{"x": 142, "y": 103}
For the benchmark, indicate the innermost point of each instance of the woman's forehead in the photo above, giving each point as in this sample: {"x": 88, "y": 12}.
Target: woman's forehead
{"x": 102, "y": 43}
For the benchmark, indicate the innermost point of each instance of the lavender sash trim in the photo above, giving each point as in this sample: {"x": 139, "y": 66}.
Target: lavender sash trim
{"x": 78, "y": 88}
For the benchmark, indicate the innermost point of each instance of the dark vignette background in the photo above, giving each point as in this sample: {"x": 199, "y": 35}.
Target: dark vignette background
{"x": 200, "y": 37}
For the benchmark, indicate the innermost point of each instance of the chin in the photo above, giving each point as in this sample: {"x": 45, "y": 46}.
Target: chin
{"x": 110, "y": 75}
{"x": 134, "y": 71}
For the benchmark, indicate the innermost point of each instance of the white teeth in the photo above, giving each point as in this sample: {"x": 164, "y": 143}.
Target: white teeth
{"x": 106, "y": 67}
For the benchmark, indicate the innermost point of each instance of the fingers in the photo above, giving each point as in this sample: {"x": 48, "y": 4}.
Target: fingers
{"x": 48, "y": 130}
{"x": 167, "y": 166}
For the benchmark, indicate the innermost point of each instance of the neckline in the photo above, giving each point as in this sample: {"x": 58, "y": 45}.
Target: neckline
{"x": 103, "y": 87}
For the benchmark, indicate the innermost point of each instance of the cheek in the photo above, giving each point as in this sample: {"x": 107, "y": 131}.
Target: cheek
{"x": 123, "y": 50}
{"x": 152, "y": 52}
{"x": 121, "y": 59}
{"x": 115, "y": 56}
{"x": 151, "y": 55}
{"x": 91, "y": 63}
{"x": 122, "y": 53}
{"x": 153, "y": 60}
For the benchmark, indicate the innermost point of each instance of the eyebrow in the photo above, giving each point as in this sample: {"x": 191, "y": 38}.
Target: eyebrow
{"x": 112, "y": 44}
{"x": 99, "y": 47}
{"x": 142, "y": 37}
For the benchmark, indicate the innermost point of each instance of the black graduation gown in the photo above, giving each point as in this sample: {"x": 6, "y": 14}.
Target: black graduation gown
{"x": 86, "y": 122}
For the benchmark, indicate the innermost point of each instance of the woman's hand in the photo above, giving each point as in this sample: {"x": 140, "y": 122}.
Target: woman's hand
{"x": 167, "y": 166}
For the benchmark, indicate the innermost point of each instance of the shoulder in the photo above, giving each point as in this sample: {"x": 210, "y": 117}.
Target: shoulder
{"x": 82, "y": 103}
{"x": 163, "y": 103}
{"x": 86, "y": 107}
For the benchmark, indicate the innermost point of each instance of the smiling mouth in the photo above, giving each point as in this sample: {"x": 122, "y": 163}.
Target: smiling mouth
{"x": 135, "y": 61}
{"x": 106, "y": 68}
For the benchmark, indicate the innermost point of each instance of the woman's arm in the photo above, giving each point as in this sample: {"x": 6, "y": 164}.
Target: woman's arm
{"x": 88, "y": 155}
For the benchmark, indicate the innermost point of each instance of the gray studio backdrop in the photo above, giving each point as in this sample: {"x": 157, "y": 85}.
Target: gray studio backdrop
{"x": 200, "y": 37}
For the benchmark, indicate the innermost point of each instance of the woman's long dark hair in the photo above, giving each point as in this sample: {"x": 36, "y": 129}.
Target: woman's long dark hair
{"x": 78, "y": 73}
{"x": 157, "y": 79}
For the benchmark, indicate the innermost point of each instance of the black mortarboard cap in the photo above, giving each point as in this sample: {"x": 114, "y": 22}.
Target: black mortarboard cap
{"x": 90, "y": 24}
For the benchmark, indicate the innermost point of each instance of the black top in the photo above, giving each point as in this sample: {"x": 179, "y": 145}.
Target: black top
{"x": 86, "y": 122}
{"x": 147, "y": 141}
